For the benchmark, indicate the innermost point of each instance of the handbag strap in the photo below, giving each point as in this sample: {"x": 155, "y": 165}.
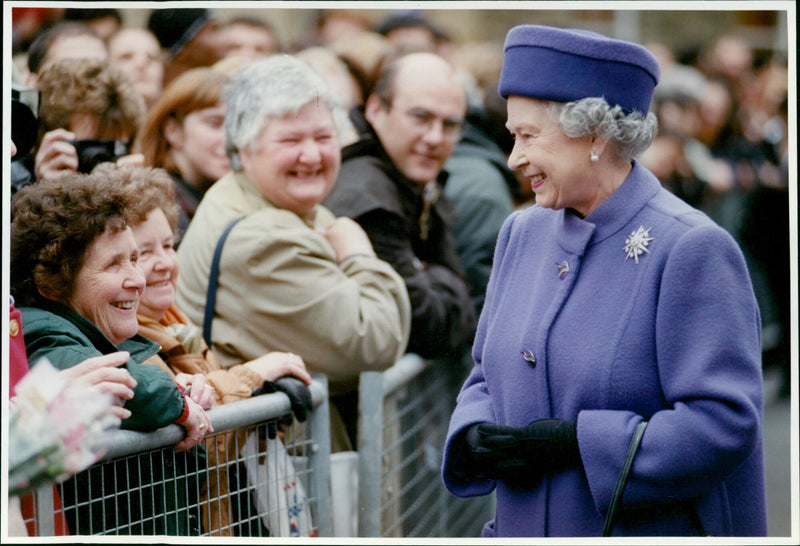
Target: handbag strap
{"x": 211, "y": 294}
{"x": 622, "y": 480}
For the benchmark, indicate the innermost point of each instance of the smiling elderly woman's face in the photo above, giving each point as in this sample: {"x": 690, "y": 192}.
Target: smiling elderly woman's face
{"x": 296, "y": 159}
{"x": 159, "y": 263}
{"x": 556, "y": 166}
{"x": 108, "y": 286}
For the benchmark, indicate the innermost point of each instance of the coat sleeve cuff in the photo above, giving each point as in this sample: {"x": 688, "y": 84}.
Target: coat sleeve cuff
{"x": 185, "y": 415}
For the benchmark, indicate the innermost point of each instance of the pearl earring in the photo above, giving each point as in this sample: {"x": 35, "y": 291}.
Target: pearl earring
{"x": 594, "y": 157}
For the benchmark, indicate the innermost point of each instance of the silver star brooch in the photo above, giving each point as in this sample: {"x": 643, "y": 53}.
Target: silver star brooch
{"x": 636, "y": 243}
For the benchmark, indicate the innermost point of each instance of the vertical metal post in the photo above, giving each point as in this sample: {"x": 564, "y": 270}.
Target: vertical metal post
{"x": 45, "y": 510}
{"x": 626, "y": 25}
{"x": 781, "y": 39}
{"x": 370, "y": 448}
{"x": 320, "y": 460}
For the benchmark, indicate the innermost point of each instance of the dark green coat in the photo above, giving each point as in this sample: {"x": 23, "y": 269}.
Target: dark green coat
{"x": 160, "y": 495}
{"x": 66, "y": 339}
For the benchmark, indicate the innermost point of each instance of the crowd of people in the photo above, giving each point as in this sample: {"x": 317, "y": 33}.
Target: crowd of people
{"x": 372, "y": 190}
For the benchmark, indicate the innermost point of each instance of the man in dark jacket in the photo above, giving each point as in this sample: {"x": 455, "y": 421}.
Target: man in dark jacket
{"x": 391, "y": 182}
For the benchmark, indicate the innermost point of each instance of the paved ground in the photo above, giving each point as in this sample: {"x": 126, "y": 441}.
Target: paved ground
{"x": 777, "y": 459}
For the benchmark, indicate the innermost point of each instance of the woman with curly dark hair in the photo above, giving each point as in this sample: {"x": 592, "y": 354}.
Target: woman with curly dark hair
{"x": 75, "y": 273}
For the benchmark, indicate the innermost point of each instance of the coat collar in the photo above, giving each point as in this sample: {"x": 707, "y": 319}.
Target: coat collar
{"x": 612, "y": 215}
{"x": 138, "y": 346}
{"x": 254, "y": 200}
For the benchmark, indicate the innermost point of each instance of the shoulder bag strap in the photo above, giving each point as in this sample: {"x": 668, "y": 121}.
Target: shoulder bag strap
{"x": 622, "y": 480}
{"x": 211, "y": 295}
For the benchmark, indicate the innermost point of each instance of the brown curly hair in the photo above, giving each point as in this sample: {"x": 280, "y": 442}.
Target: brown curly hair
{"x": 90, "y": 86}
{"x": 154, "y": 189}
{"x": 54, "y": 224}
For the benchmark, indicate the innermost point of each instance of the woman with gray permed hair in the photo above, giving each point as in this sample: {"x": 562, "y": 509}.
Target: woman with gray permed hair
{"x": 292, "y": 277}
{"x": 628, "y": 134}
{"x": 619, "y": 345}
{"x": 259, "y": 92}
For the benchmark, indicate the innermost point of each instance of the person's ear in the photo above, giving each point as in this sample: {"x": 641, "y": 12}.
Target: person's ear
{"x": 173, "y": 132}
{"x": 373, "y": 108}
{"x": 598, "y": 145}
{"x": 48, "y": 295}
{"x": 246, "y": 158}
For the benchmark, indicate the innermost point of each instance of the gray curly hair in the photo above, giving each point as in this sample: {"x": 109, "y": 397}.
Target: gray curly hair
{"x": 629, "y": 134}
{"x": 270, "y": 88}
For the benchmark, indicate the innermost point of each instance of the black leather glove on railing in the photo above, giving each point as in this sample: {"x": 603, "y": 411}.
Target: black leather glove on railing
{"x": 545, "y": 446}
{"x": 298, "y": 392}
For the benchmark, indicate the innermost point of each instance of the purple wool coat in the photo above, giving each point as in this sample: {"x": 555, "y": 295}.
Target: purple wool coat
{"x": 643, "y": 310}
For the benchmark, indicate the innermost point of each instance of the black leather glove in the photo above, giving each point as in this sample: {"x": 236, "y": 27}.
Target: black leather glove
{"x": 298, "y": 392}
{"x": 545, "y": 446}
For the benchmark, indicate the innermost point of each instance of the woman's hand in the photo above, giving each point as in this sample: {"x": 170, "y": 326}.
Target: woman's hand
{"x": 347, "y": 238}
{"x": 55, "y": 155}
{"x": 273, "y": 365}
{"x": 104, "y": 374}
{"x": 197, "y": 388}
{"x": 197, "y": 425}
{"x": 131, "y": 160}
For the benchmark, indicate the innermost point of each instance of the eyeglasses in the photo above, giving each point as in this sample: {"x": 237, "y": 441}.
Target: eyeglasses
{"x": 424, "y": 120}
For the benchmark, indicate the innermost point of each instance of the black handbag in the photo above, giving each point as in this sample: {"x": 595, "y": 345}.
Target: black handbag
{"x": 622, "y": 480}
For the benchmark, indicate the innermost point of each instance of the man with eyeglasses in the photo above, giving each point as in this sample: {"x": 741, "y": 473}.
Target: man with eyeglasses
{"x": 391, "y": 182}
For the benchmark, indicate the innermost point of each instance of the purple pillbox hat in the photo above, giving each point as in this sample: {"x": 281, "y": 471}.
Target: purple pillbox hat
{"x": 566, "y": 65}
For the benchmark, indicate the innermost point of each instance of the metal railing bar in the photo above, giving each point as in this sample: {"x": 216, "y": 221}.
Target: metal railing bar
{"x": 227, "y": 416}
{"x": 404, "y": 370}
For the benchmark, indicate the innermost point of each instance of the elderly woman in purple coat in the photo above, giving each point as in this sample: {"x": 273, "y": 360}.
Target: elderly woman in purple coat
{"x": 611, "y": 303}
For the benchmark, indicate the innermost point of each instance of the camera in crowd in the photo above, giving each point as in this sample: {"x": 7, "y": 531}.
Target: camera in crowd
{"x": 95, "y": 151}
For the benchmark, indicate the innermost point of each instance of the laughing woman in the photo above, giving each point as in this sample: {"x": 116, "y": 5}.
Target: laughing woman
{"x": 292, "y": 277}
{"x": 182, "y": 347}
{"x": 611, "y": 303}
{"x": 74, "y": 270}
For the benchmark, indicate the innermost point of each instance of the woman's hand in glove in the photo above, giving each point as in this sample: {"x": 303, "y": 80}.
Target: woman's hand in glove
{"x": 298, "y": 392}
{"x": 544, "y": 446}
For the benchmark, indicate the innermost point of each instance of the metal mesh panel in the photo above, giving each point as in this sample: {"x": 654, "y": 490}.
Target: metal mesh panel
{"x": 245, "y": 480}
{"x": 417, "y": 400}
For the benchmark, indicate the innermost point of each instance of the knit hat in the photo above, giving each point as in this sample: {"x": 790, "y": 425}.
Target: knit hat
{"x": 566, "y": 65}
{"x": 175, "y": 27}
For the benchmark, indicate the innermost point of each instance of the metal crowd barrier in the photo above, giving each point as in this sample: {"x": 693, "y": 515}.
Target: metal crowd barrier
{"x": 247, "y": 484}
{"x": 404, "y": 413}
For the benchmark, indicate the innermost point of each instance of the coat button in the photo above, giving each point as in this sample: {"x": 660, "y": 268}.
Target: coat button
{"x": 13, "y": 328}
{"x": 529, "y": 357}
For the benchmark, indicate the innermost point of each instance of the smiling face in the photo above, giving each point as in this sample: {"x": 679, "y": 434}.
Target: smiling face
{"x": 295, "y": 160}
{"x": 108, "y": 286}
{"x": 556, "y": 166}
{"x": 198, "y": 146}
{"x": 159, "y": 262}
{"x": 421, "y": 126}
{"x": 138, "y": 54}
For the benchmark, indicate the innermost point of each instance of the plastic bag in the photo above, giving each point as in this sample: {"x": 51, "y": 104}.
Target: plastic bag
{"x": 279, "y": 493}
